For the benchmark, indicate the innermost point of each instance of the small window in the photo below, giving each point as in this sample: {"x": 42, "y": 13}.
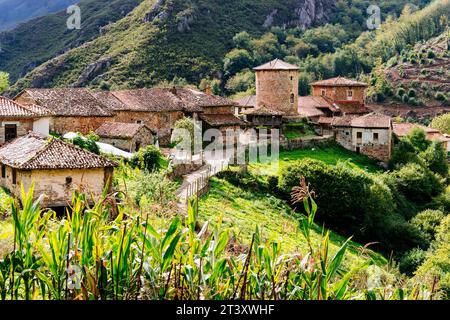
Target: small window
{"x": 139, "y": 122}
{"x": 322, "y": 92}
{"x": 359, "y": 135}
{"x": 3, "y": 171}
{"x": 375, "y": 136}
{"x": 68, "y": 181}
{"x": 14, "y": 176}
{"x": 292, "y": 98}
{"x": 350, "y": 94}
{"x": 292, "y": 78}
{"x": 347, "y": 133}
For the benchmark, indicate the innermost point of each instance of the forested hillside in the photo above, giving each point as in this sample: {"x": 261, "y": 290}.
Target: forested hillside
{"x": 173, "y": 40}
{"x": 32, "y": 43}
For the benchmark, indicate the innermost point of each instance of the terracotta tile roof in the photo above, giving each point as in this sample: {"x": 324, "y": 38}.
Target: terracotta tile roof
{"x": 120, "y": 130}
{"x": 351, "y": 107}
{"x": 163, "y": 99}
{"x": 277, "y": 64}
{"x": 12, "y": 109}
{"x": 69, "y": 102}
{"x": 403, "y": 129}
{"x": 263, "y": 111}
{"x": 339, "y": 82}
{"x": 248, "y": 102}
{"x": 371, "y": 120}
{"x": 35, "y": 151}
{"x": 109, "y": 100}
{"x": 309, "y": 106}
{"x": 215, "y": 120}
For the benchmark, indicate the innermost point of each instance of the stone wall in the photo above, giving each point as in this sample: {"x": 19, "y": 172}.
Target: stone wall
{"x": 143, "y": 138}
{"x": 83, "y": 125}
{"x": 344, "y": 136}
{"x": 23, "y": 127}
{"x": 340, "y": 93}
{"x": 53, "y": 183}
{"x": 274, "y": 89}
{"x": 219, "y": 110}
{"x": 308, "y": 142}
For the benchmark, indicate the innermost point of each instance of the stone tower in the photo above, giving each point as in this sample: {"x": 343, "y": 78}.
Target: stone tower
{"x": 277, "y": 87}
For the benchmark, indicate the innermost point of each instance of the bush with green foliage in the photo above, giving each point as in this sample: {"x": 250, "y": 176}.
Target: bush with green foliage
{"x": 419, "y": 184}
{"x": 87, "y": 143}
{"x": 442, "y": 123}
{"x": 427, "y": 222}
{"x": 148, "y": 158}
{"x": 366, "y": 204}
{"x": 435, "y": 158}
{"x": 4, "y": 81}
{"x": 411, "y": 260}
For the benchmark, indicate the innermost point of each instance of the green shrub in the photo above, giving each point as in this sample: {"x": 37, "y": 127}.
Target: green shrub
{"x": 411, "y": 260}
{"x": 418, "y": 183}
{"x": 148, "y": 158}
{"x": 435, "y": 158}
{"x": 86, "y": 143}
{"x": 442, "y": 123}
{"x": 412, "y": 93}
{"x": 427, "y": 222}
{"x": 431, "y": 54}
{"x": 405, "y": 98}
{"x": 440, "y": 96}
{"x": 401, "y": 92}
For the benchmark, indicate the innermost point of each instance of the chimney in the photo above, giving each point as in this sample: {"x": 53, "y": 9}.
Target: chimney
{"x": 208, "y": 89}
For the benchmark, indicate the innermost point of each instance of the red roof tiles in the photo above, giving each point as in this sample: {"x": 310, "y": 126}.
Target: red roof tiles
{"x": 121, "y": 130}
{"x": 277, "y": 64}
{"x": 12, "y": 109}
{"x": 339, "y": 82}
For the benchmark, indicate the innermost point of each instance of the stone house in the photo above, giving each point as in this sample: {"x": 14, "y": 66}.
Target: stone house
{"x": 370, "y": 134}
{"x": 160, "y": 108}
{"x": 17, "y": 120}
{"x": 277, "y": 87}
{"x": 129, "y": 137}
{"x": 57, "y": 167}
{"x": 70, "y": 109}
{"x": 340, "y": 89}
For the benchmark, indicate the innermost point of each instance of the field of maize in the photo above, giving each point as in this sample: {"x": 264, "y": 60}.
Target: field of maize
{"x": 92, "y": 254}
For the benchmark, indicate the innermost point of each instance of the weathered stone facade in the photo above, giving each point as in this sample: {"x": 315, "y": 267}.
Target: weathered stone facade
{"x": 23, "y": 127}
{"x": 219, "y": 110}
{"x": 54, "y": 184}
{"x": 340, "y": 93}
{"x": 278, "y": 89}
{"x": 83, "y": 125}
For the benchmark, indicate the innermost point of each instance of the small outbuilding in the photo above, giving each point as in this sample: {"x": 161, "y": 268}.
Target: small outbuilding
{"x": 58, "y": 169}
{"x": 129, "y": 137}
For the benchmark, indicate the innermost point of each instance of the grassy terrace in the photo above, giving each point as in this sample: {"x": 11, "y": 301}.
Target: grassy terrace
{"x": 330, "y": 155}
{"x": 244, "y": 210}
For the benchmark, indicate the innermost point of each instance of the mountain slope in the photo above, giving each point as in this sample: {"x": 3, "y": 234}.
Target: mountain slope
{"x": 34, "y": 42}
{"x": 163, "y": 39}
{"x": 13, "y": 12}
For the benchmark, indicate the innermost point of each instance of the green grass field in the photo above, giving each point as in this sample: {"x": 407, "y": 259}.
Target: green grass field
{"x": 244, "y": 210}
{"x": 330, "y": 155}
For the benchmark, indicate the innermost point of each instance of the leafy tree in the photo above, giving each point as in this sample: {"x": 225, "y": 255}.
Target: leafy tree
{"x": 242, "y": 40}
{"x": 87, "y": 143}
{"x": 428, "y": 221}
{"x": 418, "y": 139}
{"x": 148, "y": 158}
{"x": 241, "y": 81}
{"x": 236, "y": 60}
{"x": 442, "y": 123}
{"x": 435, "y": 157}
{"x": 4, "y": 81}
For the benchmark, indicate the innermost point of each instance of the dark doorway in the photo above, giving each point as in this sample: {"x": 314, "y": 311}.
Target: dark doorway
{"x": 10, "y": 132}
{"x": 138, "y": 146}
{"x": 358, "y": 150}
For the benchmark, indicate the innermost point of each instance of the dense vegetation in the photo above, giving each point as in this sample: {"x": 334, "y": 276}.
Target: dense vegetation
{"x": 32, "y": 43}
{"x": 186, "y": 44}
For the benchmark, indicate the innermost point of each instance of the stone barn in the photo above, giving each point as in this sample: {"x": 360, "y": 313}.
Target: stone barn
{"x": 340, "y": 89}
{"x": 57, "y": 168}
{"x": 17, "y": 120}
{"x": 370, "y": 134}
{"x": 129, "y": 137}
{"x": 71, "y": 109}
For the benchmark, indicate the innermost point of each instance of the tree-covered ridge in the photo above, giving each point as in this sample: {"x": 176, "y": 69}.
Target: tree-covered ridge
{"x": 33, "y": 43}
{"x": 189, "y": 40}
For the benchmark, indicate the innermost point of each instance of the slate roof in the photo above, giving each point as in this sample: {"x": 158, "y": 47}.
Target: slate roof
{"x": 75, "y": 102}
{"x": 277, "y": 64}
{"x": 339, "y": 82}
{"x": 247, "y": 102}
{"x": 36, "y": 151}
{"x": 263, "y": 111}
{"x": 12, "y": 109}
{"x": 120, "y": 130}
{"x": 215, "y": 120}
